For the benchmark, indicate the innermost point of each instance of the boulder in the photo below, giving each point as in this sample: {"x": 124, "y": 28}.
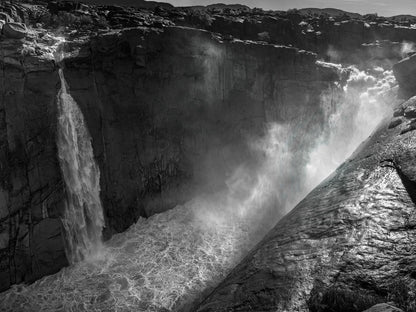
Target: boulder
{"x": 405, "y": 73}
{"x": 15, "y": 30}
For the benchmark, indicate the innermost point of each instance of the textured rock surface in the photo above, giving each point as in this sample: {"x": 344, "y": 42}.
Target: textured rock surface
{"x": 346, "y": 246}
{"x": 31, "y": 243}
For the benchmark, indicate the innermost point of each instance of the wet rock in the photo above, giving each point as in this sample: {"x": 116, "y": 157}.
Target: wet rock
{"x": 14, "y": 30}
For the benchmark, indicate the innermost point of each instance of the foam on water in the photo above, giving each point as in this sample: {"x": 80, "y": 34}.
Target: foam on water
{"x": 156, "y": 265}
{"x": 167, "y": 261}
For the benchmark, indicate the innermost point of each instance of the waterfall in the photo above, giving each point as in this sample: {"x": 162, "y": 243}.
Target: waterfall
{"x": 83, "y": 218}
{"x": 168, "y": 260}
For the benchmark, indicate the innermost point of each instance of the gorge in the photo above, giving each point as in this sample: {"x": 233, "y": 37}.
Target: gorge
{"x": 185, "y": 137}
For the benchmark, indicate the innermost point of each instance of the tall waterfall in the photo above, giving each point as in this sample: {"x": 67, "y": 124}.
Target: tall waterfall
{"x": 83, "y": 219}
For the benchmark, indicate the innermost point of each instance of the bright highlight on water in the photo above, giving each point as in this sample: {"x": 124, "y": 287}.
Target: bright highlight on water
{"x": 83, "y": 219}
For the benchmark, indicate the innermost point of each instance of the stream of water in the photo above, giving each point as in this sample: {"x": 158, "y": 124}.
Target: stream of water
{"x": 83, "y": 219}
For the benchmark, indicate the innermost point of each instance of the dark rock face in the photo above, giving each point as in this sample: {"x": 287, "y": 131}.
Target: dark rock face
{"x": 345, "y": 247}
{"x": 31, "y": 242}
{"x": 167, "y": 109}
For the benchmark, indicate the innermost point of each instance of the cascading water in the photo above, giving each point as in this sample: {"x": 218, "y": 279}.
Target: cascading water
{"x": 165, "y": 262}
{"x": 83, "y": 219}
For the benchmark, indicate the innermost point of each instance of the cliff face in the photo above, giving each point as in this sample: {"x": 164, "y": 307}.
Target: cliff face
{"x": 170, "y": 111}
{"x": 31, "y": 186}
{"x": 347, "y": 245}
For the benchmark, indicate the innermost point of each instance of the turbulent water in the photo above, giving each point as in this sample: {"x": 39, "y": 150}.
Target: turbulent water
{"x": 166, "y": 262}
{"x": 83, "y": 219}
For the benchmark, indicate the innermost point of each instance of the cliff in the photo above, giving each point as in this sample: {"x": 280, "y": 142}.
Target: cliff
{"x": 167, "y": 110}
{"x": 170, "y": 109}
{"x": 31, "y": 186}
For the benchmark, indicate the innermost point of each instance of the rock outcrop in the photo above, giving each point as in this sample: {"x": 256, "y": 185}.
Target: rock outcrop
{"x": 347, "y": 246}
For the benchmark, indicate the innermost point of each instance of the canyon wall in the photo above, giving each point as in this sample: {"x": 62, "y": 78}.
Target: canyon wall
{"x": 31, "y": 243}
{"x": 170, "y": 113}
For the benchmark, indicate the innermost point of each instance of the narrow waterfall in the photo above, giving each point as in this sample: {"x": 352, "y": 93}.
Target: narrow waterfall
{"x": 83, "y": 219}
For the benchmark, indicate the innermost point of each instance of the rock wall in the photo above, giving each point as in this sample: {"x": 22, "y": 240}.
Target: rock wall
{"x": 348, "y": 245}
{"x": 170, "y": 112}
{"x": 31, "y": 189}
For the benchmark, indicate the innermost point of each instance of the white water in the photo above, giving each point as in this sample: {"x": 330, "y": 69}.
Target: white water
{"x": 83, "y": 219}
{"x": 166, "y": 261}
